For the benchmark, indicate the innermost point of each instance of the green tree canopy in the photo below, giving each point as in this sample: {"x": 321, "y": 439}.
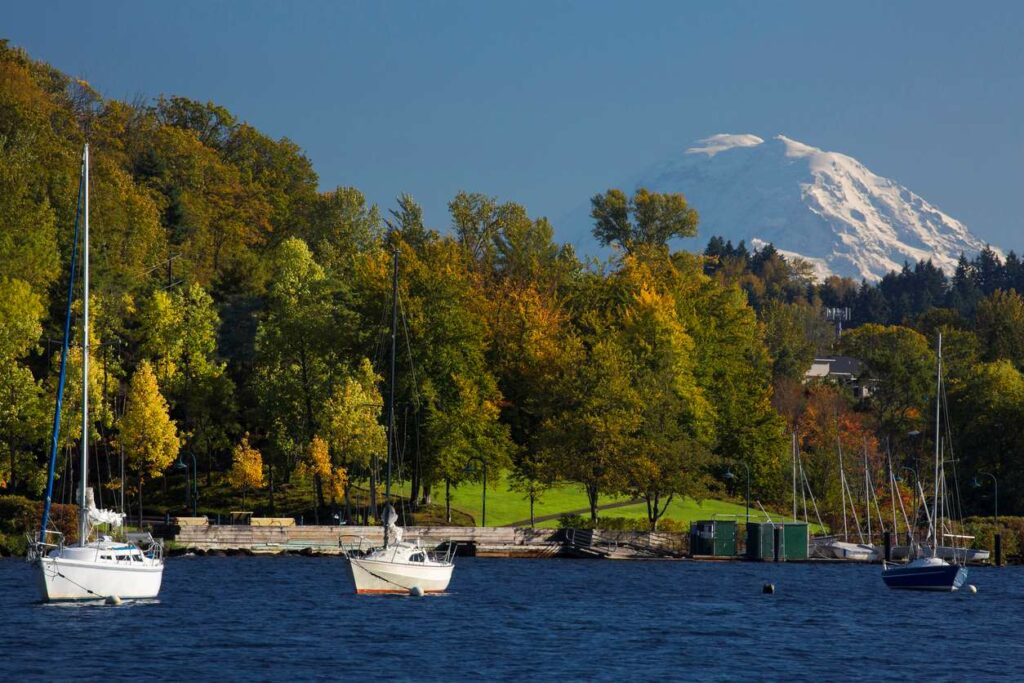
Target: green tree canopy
{"x": 646, "y": 218}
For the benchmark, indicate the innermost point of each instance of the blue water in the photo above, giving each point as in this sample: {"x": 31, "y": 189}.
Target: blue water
{"x": 296, "y": 618}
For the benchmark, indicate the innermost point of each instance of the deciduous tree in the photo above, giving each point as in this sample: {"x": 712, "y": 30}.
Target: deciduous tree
{"x": 246, "y": 467}
{"x": 646, "y": 218}
{"x": 146, "y": 431}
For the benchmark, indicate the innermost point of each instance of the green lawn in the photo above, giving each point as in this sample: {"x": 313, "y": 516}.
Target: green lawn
{"x": 505, "y": 506}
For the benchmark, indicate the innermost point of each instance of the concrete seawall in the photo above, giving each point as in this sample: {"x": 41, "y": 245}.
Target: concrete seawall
{"x": 479, "y": 541}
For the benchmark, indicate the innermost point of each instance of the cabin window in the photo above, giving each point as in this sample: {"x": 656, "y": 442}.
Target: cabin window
{"x": 121, "y": 558}
{"x": 416, "y": 557}
{"x": 137, "y": 558}
{"x": 105, "y": 557}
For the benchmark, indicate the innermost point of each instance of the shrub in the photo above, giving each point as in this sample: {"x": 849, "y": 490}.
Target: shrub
{"x": 19, "y": 516}
{"x": 574, "y": 522}
{"x": 983, "y": 529}
{"x": 15, "y": 511}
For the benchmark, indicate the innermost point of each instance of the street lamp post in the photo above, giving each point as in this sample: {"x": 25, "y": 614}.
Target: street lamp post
{"x": 483, "y": 467}
{"x": 729, "y": 475}
{"x": 180, "y": 465}
{"x": 995, "y": 494}
{"x": 195, "y": 484}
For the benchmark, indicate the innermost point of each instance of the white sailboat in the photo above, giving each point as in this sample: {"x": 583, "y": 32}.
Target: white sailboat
{"x": 844, "y": 549}
{"x": 103, "y": 568}
{"x": 399, "y": 566}
{"x": 957, "y": 553}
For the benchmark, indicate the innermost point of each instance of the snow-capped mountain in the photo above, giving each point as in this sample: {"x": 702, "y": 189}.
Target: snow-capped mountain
{"x": 823, "y": 206}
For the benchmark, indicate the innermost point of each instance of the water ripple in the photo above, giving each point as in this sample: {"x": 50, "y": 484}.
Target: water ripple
{"x": 296, "y": 618}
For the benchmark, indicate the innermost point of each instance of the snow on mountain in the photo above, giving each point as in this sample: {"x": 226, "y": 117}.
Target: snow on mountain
{"x": 824, "y": 206}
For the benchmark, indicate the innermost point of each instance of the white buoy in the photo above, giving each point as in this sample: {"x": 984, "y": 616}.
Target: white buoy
{"x": 971, "y": 588}
{"x": 416, "y": 592}
{"x": 112, "y": 600}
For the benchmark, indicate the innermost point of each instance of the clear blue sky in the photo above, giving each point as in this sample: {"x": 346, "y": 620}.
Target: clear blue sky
{"x": 546, "y": 103}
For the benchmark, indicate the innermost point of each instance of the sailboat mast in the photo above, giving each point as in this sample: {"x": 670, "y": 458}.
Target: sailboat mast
{"x": 938, "y": 447}
{"x": 83, "y": 512}
{"x": 867, "y": 491}
{"x": 391, "y": 386}
{"x": 794, "y": 475}
{"x": 842, "y": 488}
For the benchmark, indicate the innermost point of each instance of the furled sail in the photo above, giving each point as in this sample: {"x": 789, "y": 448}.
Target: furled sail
{"x": 101, "y": 516}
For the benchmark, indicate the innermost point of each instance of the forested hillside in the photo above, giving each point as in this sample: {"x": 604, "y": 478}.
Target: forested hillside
{"x": 241, "y": 315}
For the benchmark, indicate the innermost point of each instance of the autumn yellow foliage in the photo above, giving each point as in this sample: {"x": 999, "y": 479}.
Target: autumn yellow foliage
{"x": 149, "y": 436}
{"x": 318, "y": 462}
{"x": 246, "y": 466}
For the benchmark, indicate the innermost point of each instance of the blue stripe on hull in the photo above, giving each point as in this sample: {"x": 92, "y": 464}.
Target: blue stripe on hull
{"x": 948, "y": 578}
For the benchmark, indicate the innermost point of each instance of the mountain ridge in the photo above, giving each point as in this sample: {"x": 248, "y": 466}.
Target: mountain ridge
{"x": 826, "y": 207}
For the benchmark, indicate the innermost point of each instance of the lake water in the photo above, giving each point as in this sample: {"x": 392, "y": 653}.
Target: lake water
{"x": 296, "y": 618}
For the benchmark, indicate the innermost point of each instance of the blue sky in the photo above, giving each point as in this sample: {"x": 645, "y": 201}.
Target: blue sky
{"x": 546, "y": 103}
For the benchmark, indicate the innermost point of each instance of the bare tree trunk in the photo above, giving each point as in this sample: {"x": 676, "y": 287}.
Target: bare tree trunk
{"x": 348, "y": 503}
{"x": 318, "y": 485}
{"x": 414, "y": 487}
{"x": 271, "y": 469}
{"x": 592, "y": 494}
{"x": 316, "y": 508}
{"x": 14, "y": 476}
{"x": 209, "y": 464}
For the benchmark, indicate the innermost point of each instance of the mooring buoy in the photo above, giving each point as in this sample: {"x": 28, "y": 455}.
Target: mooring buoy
{"x": 768, "y": 588}
{"x": 112, "y": 600}
{"x": 416, "y": 591}
{"x": 971, "y": 588}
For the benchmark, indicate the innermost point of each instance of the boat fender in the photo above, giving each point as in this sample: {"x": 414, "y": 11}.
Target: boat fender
{"x": 971, "y": 588}
{"x": 416, "y": 592}
{"x": 112, "y": 600}
{"x": 768, "y": 588}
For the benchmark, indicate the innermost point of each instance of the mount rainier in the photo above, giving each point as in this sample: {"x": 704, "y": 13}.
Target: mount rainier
{"x": 825, "y": 207}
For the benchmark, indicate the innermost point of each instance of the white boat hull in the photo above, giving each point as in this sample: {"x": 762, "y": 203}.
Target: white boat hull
{"x": 945, "y": 552}
{"x": 383, "y": 576}
{"x": 854, "y": 551}
{"x": 67, "y": 578}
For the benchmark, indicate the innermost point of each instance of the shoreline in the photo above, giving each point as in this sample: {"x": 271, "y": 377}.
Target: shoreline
{"x": 484, "y": 542}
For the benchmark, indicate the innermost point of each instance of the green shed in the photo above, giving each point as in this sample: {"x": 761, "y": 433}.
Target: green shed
{"x": 761, "y": 541}
{"x": 794, "y": 540}
{"x": 715, "y": 537}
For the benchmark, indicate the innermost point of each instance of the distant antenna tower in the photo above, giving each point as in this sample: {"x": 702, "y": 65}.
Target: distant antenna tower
{"x": 838, "y": 316}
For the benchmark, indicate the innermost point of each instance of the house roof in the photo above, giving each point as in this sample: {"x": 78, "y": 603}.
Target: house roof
{"x": 843, "y": 366}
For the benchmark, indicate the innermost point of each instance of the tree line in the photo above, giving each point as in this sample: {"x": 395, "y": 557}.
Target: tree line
{"x": 241, "y": 316}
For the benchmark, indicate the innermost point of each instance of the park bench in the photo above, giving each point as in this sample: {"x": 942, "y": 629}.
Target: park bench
{"x": 192, "y": 521}
{"x": 240, "y": 517}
